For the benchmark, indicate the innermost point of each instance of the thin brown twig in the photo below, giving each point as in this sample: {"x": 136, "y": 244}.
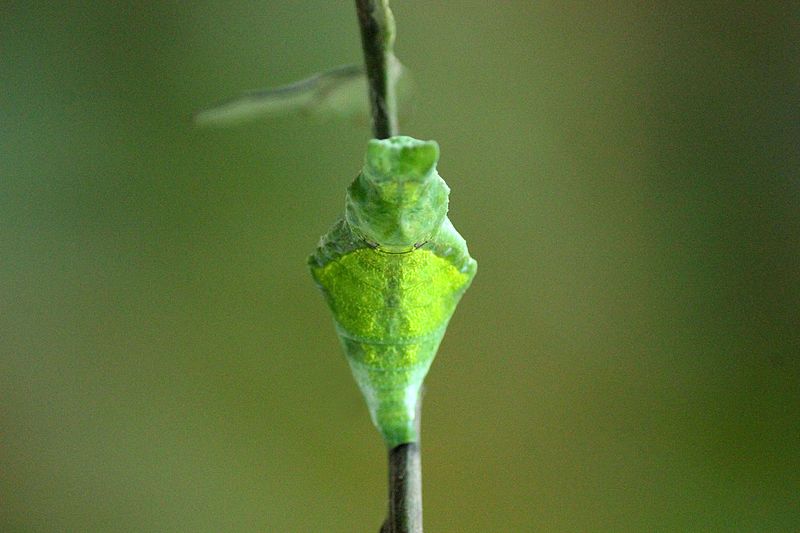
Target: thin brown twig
{"x": 377, "y": 40}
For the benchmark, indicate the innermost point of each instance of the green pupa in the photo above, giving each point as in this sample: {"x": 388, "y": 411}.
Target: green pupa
{"x": 392, "y": 271}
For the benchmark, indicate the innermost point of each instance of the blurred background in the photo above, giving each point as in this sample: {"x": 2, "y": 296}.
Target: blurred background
{"x": 627, "y": 176}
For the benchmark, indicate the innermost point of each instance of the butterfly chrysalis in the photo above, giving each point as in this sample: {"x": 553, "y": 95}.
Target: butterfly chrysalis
{"x": 392, "y": 271}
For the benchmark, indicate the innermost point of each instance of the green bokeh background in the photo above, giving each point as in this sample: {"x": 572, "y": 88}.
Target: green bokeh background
{"x": 626, "y": 175}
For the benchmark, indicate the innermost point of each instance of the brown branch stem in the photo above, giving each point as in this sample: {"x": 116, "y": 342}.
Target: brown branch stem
{"x": 377, "y": 40}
